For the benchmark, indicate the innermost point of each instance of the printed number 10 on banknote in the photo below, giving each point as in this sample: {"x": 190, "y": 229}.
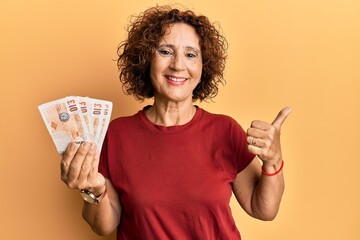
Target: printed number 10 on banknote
{"x": 72, "y": 119}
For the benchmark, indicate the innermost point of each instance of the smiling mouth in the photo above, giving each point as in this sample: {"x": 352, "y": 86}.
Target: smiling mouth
{"x": 176, "y": 79}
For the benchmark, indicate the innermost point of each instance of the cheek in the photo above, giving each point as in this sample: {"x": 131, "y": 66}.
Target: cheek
{"x": 155, "y": 74}
{"x": 196, "y": 70}
{"x": 153, "y": 70}
{"x": 157, "y": 65}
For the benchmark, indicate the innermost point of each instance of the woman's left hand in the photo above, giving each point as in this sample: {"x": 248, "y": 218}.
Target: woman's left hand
{"x": 264, "y": 139}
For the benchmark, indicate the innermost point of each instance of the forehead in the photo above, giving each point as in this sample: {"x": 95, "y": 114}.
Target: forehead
{"x": 181, "y": 33}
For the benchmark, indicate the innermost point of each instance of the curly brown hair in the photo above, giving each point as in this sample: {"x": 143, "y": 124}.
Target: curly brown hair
{"x": 144, "y": 34}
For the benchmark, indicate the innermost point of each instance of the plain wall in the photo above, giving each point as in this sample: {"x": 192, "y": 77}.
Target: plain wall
{"x": 304, "y": 54}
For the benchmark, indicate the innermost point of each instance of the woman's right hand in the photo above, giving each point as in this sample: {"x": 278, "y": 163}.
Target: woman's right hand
{"x": 79, "y": 168}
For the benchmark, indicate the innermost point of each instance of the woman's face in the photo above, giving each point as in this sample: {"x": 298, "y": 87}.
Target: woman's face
{"x": 176, "y": 67}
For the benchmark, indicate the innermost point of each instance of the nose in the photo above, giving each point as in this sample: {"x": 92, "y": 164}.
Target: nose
{"x": 177, "y": 63}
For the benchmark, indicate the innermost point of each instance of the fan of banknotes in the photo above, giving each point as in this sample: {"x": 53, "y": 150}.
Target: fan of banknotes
{"x": 76, "y": 119}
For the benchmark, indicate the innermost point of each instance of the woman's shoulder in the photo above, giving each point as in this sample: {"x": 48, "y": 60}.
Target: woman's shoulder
{"x": 218, "y": 117}
{"x": 222, "y": 123}
{"x": 124, "y": 120}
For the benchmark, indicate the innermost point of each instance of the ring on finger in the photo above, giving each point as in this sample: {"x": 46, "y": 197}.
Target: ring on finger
{"x": 254, "y": 141}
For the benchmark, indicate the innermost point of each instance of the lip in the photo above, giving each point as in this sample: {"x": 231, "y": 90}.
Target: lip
{"x": 175, "y": 80}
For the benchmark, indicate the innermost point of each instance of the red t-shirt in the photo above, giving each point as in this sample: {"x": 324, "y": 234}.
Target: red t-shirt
{"x": 175, "y": 182}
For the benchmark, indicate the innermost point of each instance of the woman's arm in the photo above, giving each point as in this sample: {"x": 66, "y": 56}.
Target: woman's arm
{"x": 259, "y": 195}
{"x": 258, "y": 191}
{"x": 105, "y": 216}
{"x": 79, "y": 170}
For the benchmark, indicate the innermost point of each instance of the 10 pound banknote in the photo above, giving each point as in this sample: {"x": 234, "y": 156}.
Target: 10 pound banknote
{"x": 76, "y": 119}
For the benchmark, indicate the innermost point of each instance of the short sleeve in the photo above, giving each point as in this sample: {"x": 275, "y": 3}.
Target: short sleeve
{"x": 243, "y": 156}
{"x": 103, "y": 164}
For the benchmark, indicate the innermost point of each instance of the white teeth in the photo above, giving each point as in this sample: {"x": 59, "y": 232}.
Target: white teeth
{"x": 176, "y": 79}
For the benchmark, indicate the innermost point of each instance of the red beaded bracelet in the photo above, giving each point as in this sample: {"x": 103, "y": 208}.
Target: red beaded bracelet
{"x": 275, "y": 173}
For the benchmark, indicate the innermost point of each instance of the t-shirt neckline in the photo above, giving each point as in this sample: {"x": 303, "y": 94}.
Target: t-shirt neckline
{"x": 170, "y": 129}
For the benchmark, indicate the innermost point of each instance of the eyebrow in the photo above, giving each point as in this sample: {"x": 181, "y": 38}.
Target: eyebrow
{"x": 173, "y": 47}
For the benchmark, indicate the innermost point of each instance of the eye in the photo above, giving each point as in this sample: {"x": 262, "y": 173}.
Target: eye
{"x": 191, "y": 55}
{"x": 164, "y": 52}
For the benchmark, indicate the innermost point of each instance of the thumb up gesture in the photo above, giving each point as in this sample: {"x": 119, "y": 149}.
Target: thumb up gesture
{"x": 264, "y": 138}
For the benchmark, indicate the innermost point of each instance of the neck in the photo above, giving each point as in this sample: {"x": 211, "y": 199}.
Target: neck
{"x": 171, "y": 114}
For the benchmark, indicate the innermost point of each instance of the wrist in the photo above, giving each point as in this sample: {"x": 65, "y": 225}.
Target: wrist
{"x": 272, "y": 169}
{"x": 94, "y": 195}
{"x": 98, "y": 190}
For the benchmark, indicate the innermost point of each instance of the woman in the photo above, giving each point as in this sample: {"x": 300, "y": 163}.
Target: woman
{"x": 168, "y": 171}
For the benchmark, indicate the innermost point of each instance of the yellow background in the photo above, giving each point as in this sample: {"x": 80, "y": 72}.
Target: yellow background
{"x": 304, "y": 54}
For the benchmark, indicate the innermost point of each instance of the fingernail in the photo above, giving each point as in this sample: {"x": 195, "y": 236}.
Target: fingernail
{"x": 85, "y": 144}
{"x": 72, "y": 146}
{"x": 92, "y": 146}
